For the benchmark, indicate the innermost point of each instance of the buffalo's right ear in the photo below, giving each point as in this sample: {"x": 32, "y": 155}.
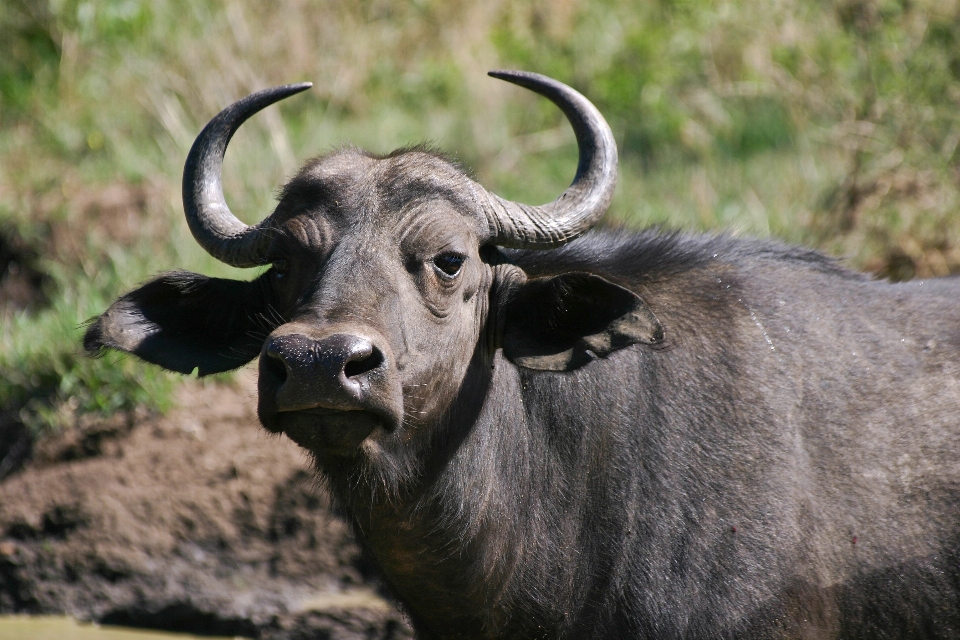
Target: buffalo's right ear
{"x": 564, "y": 322}
{"x": 184, "y": 321}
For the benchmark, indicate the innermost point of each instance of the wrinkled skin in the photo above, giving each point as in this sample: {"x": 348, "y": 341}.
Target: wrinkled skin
{"x": 634, "y": 435}
{"x": 353, "y": 234}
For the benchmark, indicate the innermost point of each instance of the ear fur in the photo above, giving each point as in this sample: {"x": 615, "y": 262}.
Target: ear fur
{"x": 564, "y": 322}
{"x": 184, "y": 321}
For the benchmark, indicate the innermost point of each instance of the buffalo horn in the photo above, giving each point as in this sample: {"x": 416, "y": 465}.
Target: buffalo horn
{"x": 586, "y": 199}
{"x": 217, "y": 230}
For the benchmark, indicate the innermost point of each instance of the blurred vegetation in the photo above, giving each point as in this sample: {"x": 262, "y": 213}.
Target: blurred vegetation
{"x": 830, "y": 122}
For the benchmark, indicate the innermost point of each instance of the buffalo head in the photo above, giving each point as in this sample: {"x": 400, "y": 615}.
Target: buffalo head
{"x": 386, "y": 294}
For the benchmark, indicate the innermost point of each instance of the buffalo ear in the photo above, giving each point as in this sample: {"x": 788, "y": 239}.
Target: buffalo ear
{"x": 184, "y": 321}
{"x": 564, "y": 322}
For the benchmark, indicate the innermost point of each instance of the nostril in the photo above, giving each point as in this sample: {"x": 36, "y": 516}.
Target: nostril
{"x": 363, "y": 363}
{"x": 275, "y": 366}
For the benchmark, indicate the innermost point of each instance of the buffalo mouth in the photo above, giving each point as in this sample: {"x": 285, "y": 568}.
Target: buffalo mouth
{"x": 328, "y": 431}
{"x": 320, "y": 429}
{"x": 327, "y": 394}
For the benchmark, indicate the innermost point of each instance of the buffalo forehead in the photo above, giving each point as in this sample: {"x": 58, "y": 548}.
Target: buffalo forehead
{"x": 416, "y": 177}
{"x": 350, "y": 186}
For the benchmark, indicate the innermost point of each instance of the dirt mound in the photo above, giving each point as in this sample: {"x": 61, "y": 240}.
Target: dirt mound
{"x": 198, "y": 521}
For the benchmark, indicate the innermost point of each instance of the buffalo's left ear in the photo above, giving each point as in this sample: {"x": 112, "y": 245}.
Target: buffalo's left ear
{"x": 564, "y": 322}
{"x": 184, "y": 321}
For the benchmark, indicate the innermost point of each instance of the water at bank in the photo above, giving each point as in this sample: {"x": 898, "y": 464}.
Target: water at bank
{"x": 65, "y": 628}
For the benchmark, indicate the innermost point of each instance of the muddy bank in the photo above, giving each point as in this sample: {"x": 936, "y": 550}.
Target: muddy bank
{"x": 198, "y": 521}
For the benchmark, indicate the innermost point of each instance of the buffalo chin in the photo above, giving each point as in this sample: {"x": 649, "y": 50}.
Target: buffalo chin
{"x": 325, "y": 431}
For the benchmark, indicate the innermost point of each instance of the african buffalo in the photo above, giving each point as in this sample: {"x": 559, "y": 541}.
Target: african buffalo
{"x": 625, "y": 435}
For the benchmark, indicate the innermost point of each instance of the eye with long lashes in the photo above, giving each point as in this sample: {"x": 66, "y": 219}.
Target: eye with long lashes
{"x": 280, "y": 268}
{"x": 448, "y": 265}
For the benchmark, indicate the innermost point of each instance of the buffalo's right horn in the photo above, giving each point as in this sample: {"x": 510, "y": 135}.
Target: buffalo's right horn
{"x": 213, "y": 225}
{"x": 512, "y": 224}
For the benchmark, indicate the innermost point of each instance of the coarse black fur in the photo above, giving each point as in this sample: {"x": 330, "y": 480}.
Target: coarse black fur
{"x": 783, "y": 466}
{"x": 636, "y": 435}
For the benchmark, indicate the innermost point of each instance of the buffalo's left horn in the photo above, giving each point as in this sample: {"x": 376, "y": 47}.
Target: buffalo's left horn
{"x": 210, "y": 219}
{"x": 586, "y": 199}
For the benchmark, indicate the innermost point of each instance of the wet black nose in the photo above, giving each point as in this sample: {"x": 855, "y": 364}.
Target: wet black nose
{"x": 333, "y": 372}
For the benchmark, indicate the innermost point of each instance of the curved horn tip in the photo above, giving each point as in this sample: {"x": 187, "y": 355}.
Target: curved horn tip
{"x": 503, "y": 73}
{"x": 285, "y": 90}
{"x": 297, "y": 87}
{"x": 521, "y": 77}
{"x": 263, "y": 98}
{"x": 212, "y": 223}
{"x": 586, "y": 199}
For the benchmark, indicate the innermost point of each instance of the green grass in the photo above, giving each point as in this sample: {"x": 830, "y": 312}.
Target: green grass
{"x": 833, "y": 124}
{"x": 45, "y": 374}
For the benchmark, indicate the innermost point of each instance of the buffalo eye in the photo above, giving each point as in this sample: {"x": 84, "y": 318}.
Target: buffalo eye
{"x": 448, "y": 265}
{"x": 280, "y": 267}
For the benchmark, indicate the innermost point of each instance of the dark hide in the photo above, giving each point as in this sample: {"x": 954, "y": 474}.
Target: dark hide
{"x": 645, "y": 435}
{"x": 562, "y": 323}
{"x": 184, "y": 321}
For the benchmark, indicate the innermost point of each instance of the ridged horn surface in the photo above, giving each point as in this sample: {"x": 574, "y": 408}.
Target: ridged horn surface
{"x": 212, "y": 223}
{"x": 586, "y": 199}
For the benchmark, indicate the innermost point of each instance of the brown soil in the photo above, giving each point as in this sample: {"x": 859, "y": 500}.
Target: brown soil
{"x": 197, "y": 521}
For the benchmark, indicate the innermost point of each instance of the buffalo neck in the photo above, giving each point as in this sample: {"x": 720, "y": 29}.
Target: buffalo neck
{"x": 504, "y": 488}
